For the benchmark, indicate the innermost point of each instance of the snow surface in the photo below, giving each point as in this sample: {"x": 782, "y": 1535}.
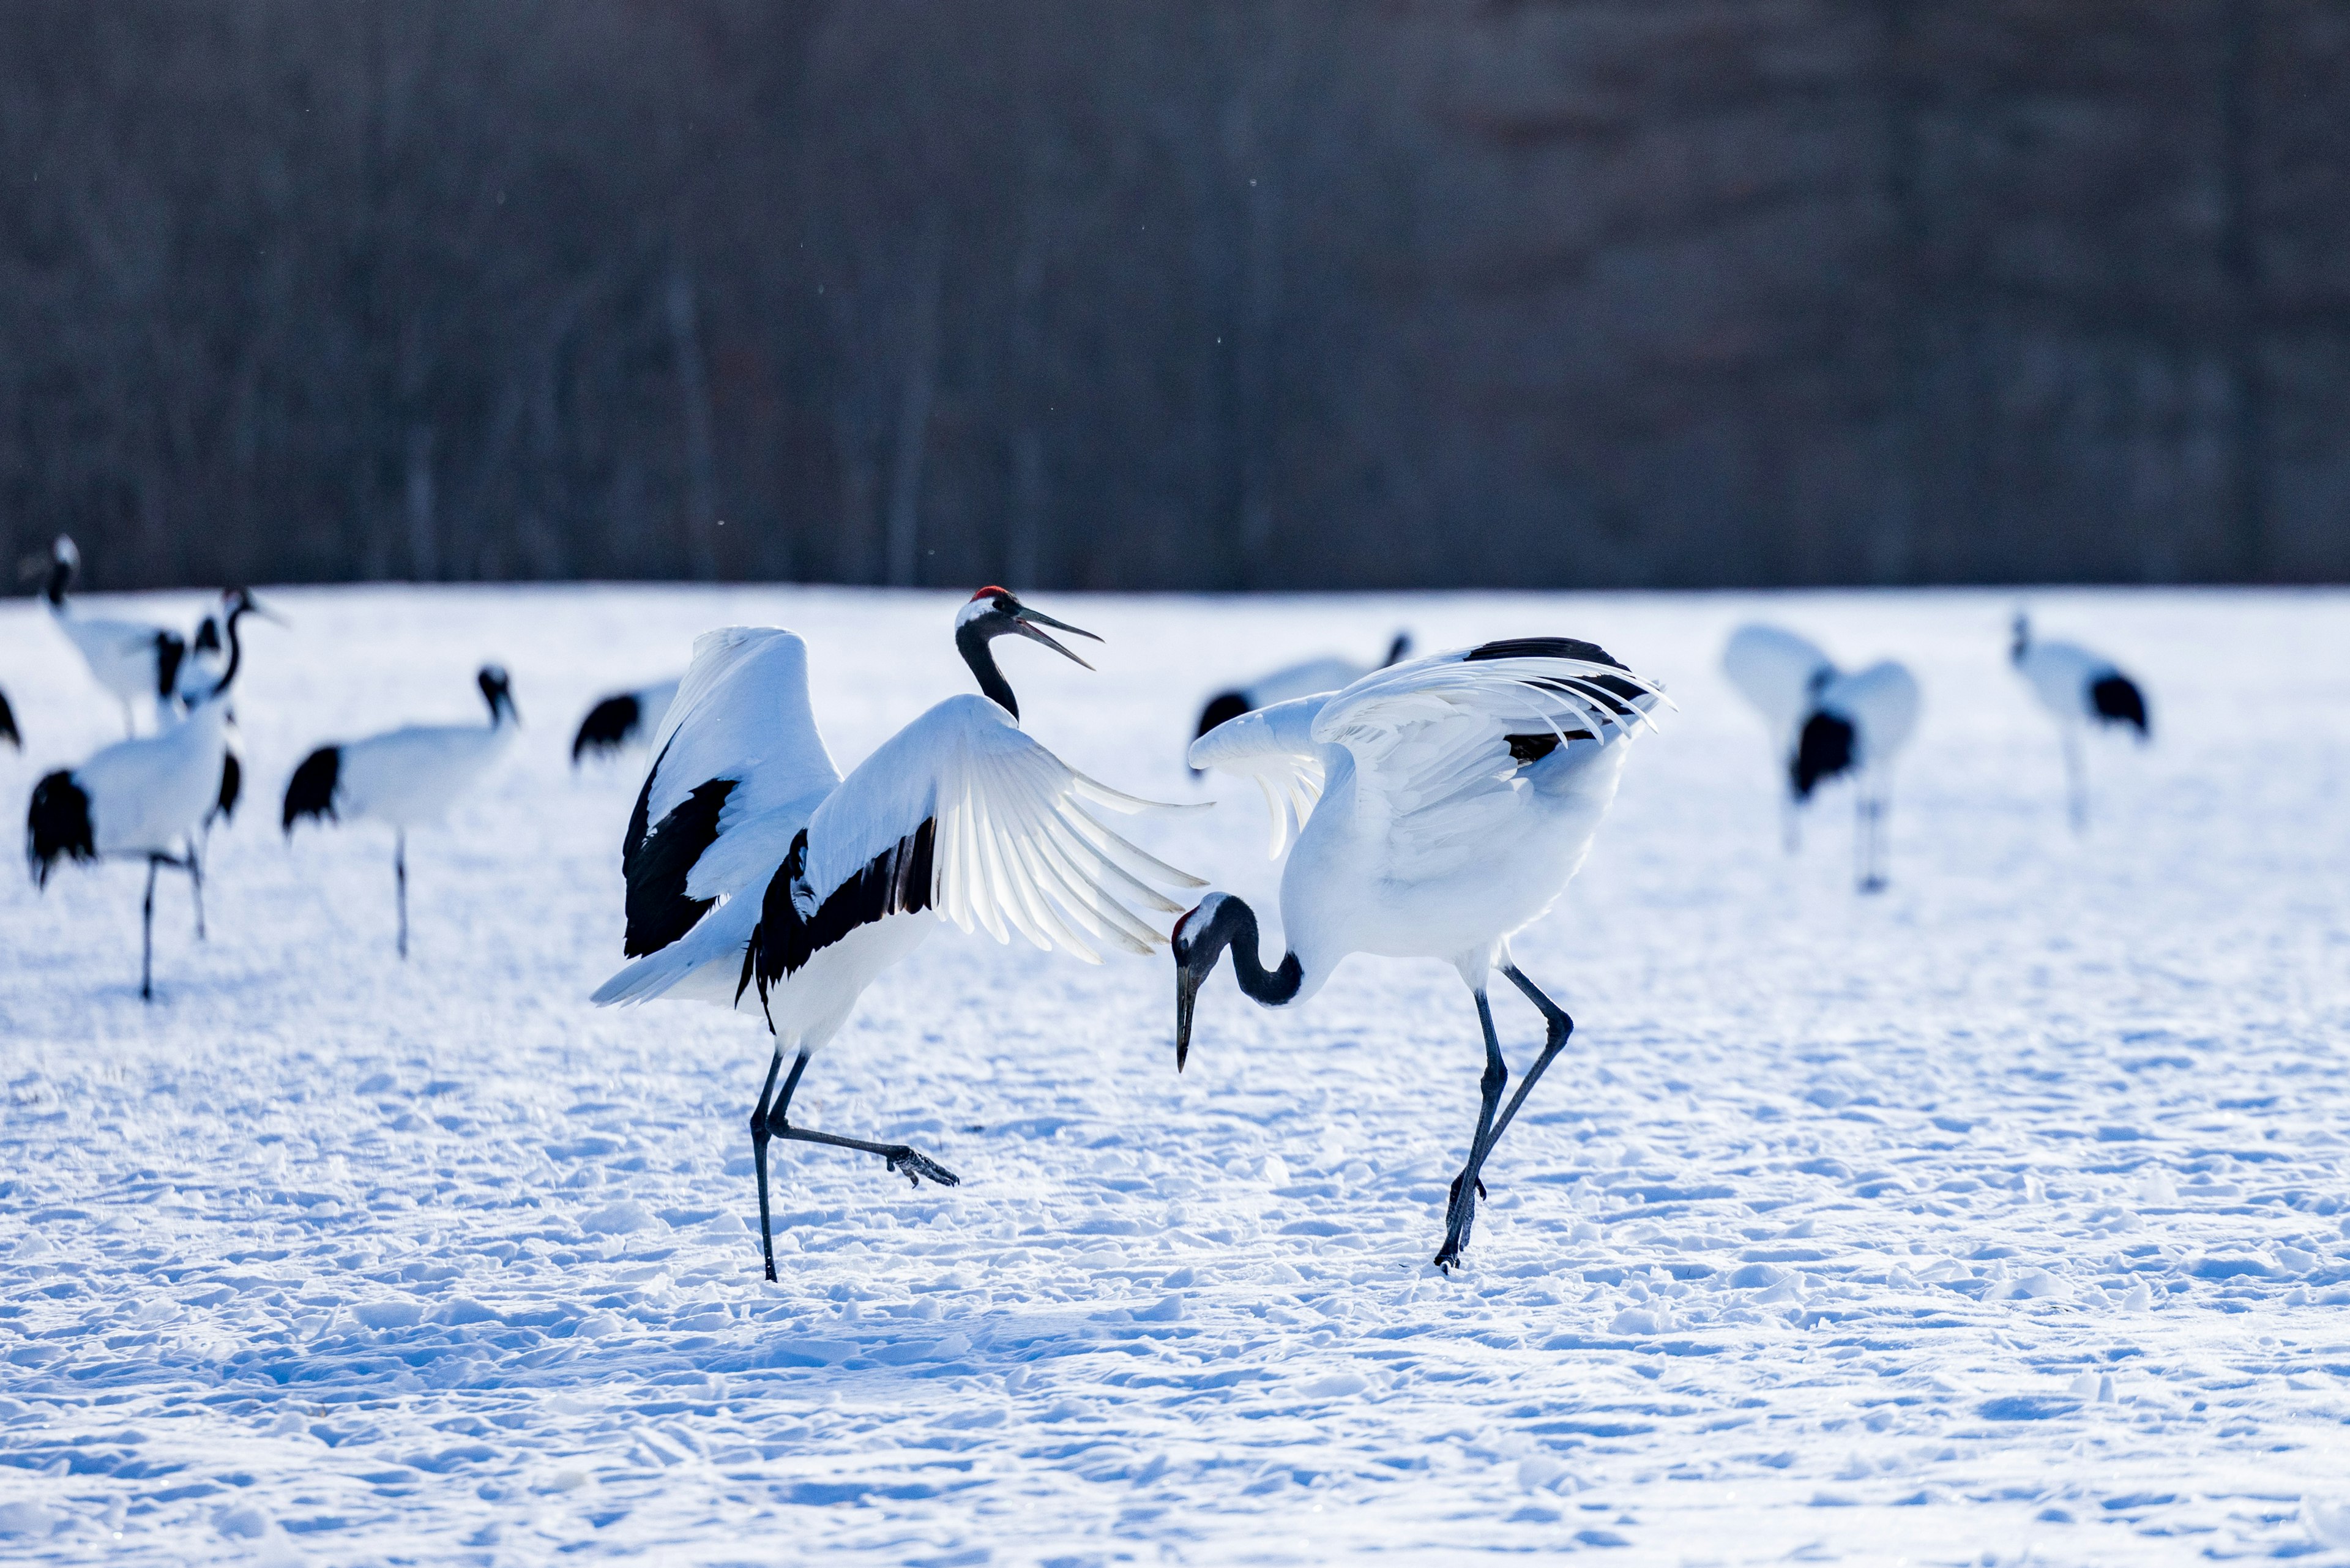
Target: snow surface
{"x": 1999, "y": 1218}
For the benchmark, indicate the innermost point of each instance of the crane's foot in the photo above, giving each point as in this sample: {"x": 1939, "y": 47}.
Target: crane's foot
{"x": 917, "y": 1168}
{"x": 1460, "y": 1219}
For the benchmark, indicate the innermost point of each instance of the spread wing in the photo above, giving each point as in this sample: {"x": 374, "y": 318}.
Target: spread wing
{"x": 1276, "y": 747}
{"x": 1777, "y": 672}
{"x": 738, "y": 764}
{"x": 1440, "y": 744}
{"x": 962, "y": 814}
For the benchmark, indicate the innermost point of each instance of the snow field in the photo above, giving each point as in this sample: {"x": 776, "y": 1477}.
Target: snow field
{"x": 2000, "y": 1218}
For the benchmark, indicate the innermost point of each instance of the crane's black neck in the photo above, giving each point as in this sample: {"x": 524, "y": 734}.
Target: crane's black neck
{"x": 1231, "y": 923}
{"x": 60, "y": 578}
{"x": 235, "y": 656}
{"x": 972, "y": 640}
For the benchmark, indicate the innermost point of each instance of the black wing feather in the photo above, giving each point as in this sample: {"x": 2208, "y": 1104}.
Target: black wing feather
{"x": 58, "y": 827}
{"x": 610, "y": 725}
{"x": 656, "y": 865}
{"x": 8, "y": 731}
{"x": 895, "y": 882}
{"x": 2118, "y": 701}
{"x": 311, "y": 791}
{"x": 1823, "y": 750}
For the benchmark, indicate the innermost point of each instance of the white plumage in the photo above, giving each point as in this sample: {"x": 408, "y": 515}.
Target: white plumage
{"x": 1778, "y": 672}
{"x": 758, "y": 876}
{"x": 1857, "y": 725}
{"x": 137, "y": 662}
{"x": 1441, "y": 805}
{"x": 2082, "y": 690}
{"x": 1306, "y": 678}
{"x": 144, "y": 797}
{"x": 405, "y": 778}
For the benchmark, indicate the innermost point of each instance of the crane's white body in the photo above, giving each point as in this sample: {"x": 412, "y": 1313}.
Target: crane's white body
{"x": 409, "y": 777}
{"x": 1881, "y": 704}
{"x": 126, "y": 657}
{"x": 149, "y": 794}
{"x": 1418, "y": 835}
{"x": 2060, "y": 675}
{"x": 1014, "y": 849}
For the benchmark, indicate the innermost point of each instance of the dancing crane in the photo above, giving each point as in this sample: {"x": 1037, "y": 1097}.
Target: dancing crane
{"x": 1779, "y": 673}
{"x": 2079, "y": 689}
{"x": 623, "y": 719}
{"x": 1302, "y": 680}
{"x": 405, "y": 778}
{"x": 1441, "y": 807}
{"x": 750, "y": 862}
{"x": 137, "y": 661}
{"x": 141, "y": 797}
{"x": 1856, "y": 725}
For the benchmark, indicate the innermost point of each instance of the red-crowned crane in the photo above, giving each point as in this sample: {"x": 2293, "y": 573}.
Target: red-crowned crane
{"x": 1301, "y": 679}
{"x": 1442, "y": 806}
{"x": 624, "y": 718}
{"x": 758, "y": 876}
{"x": 137, "y": 661}
{"x": 1856, "y": 726}
{"x": 142, "y": 797}
{"x": 404, "y": 778}
{"x": 2081, "y": 690}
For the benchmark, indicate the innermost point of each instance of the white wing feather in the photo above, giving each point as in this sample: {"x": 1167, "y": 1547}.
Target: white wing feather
{"x": 1274, "y": 746}
{"x": 1777, "y": 672}
{"x": 742, "y": 712}
{"x": 1013, "y": 848}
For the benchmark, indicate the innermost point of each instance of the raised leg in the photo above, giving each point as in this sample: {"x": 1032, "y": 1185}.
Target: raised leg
{"x": 759, "y": 1137}
{"x": 909, "y": 1163}
{"x": 1461, "y": 1212}
{"x": 147, "y": 925}
{"x": 399, "y": 881}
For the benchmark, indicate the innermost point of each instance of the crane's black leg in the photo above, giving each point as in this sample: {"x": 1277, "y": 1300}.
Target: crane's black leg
{"x": 196, "y": 885}
{"x": 1461, "y": 1212}
{"x": 399, "y": 883}
{"x": 759, "y": 1136}
{"x": 912, "y": 1164}
{"x": 2076, "y": 784}
{"x": 147, "y": 927}
{"x": 1556, "y": 1027}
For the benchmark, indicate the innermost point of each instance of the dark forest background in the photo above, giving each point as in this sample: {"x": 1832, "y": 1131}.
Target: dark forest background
{"x": 1177, "y": 293}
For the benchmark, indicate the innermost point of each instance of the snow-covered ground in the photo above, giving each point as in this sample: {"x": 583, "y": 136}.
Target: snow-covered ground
{"x": 1999, "y": 1218}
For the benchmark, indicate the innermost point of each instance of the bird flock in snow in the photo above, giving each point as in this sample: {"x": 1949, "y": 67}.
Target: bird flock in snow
{"x": 1429, "y": 807}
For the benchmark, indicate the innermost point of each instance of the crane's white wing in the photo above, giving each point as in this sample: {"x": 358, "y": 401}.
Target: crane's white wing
{"x": 1882, "y": 701}
{"x": 1276, "y": 747}
{"x": 962, "y": 813}
{"x": 737, "y": 765}
{"x": 1440, "y": 744}
{"x": 1777, "y": 672}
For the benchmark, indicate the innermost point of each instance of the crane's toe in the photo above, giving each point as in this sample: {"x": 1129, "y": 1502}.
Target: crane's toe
{"x": 916, "y": 1167}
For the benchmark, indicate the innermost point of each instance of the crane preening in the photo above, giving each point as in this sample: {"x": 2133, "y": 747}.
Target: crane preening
{"x": 1441, "y": 805}
{"x": 1828, "y": 724}
{"x": 144, "y": 797}
{"x": 2082, "y": 690}
{"x": 758, "y": 876}
{"x": 406, "y": 778}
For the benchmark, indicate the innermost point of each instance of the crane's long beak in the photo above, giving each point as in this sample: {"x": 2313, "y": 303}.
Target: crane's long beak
{"x": 1025, "y": 622}
{"x": 265, "y": 613}
{"x": 1186, "y": 994}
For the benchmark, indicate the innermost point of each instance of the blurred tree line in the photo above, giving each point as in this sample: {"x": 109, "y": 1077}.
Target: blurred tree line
{"x": 1177, "y": 293}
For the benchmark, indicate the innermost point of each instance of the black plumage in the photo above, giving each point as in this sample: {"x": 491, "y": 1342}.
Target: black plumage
{"x": 1612, "y": 686}
{"x": 895, "y": 882}
{"x": 8, "y": 731}
{"x": 58, "y": 827}
{"x": 231, "y": 785}
{"x": 657, "y": 862}
{"x": 1222, "y": 708}
{"x": 1823, "y": 750}
{"x": 170, "y": 649}
{"x": 311, "y": 791}
{"x": 608, "y": 726}
{"x": 2117, "y": 701}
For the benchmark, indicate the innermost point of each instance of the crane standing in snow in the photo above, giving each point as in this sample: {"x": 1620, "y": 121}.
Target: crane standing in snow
{"x": 623, "y": 719}
{"x": 406, "y": 777}
{"x": 141, "y": 797}
{"x": 199, "y": 672}
{"x": 1779, "y": 673}
{"x": 1856, "y": 725}
{"x": 1301, "y": 679}
{"x": 751, "y": 862}
{"x": 2079, "y": 689}
{"x": 137, "y": 661}
{"x": 1456, "y": 795}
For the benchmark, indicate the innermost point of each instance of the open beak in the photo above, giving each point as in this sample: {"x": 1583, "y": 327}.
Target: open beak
{"x": 1025, "y": 621}
{"x": 1186, "y": 994}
